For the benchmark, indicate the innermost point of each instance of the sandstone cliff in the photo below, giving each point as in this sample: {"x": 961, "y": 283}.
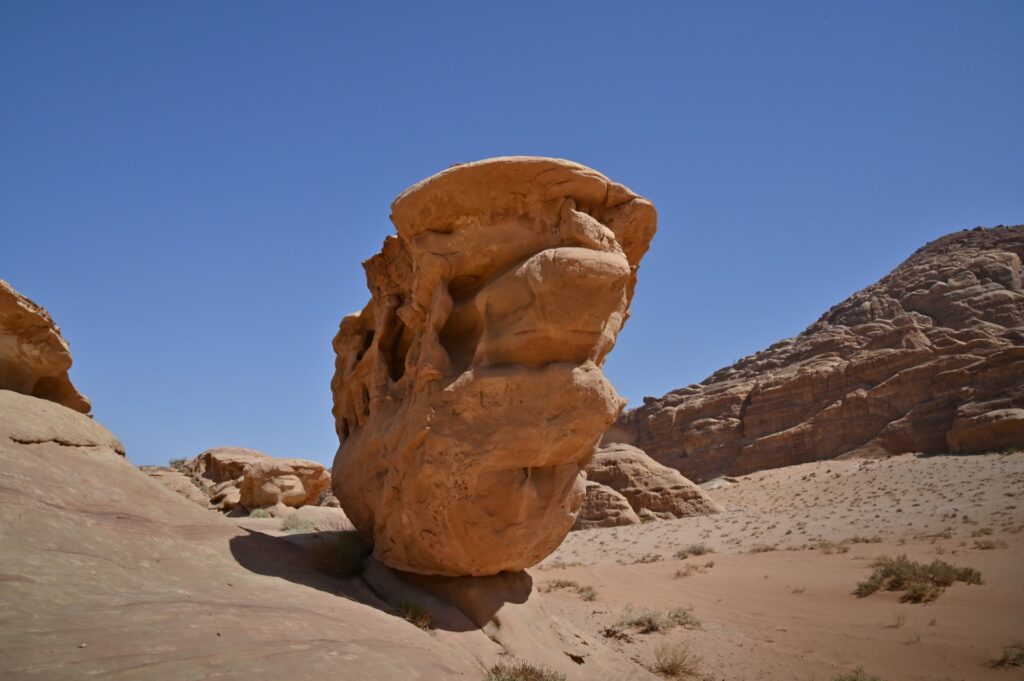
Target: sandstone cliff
{"x": 929, "y": 359}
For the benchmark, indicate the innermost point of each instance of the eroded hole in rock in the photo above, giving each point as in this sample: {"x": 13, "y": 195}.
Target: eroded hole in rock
{"x": 366, "y": 345}
{"x": 461, "y": 333}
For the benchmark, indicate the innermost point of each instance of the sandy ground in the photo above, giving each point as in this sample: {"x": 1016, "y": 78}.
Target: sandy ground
{"x": 775, "y": 600}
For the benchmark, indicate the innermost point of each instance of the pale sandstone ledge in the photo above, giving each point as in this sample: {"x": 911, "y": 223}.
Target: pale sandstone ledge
{"x": 468, "y": 394}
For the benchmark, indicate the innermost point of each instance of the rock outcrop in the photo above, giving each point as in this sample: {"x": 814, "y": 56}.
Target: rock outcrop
{"x": 929, "y": 359}
{"x": 468, "y": 394}
{"x": 234, "y": 476}
{"x": 651, "y": 489}
{"x": 34, "y": 357}
{"x": 604, "y": 507}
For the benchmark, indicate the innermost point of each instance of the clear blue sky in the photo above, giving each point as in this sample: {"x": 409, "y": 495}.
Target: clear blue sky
{"x": 190, "y": 187}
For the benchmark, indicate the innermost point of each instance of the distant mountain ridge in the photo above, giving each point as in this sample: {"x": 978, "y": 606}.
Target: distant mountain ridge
{"x": 928, "y": 359}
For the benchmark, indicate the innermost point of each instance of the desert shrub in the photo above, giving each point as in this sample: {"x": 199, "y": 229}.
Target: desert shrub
{"x": 417, "y": 614}
{"x": 857, "y": 674}
{"x": 340, "y": 553}
{"x": 648, "y": 558}
{"x": 178, "y": 464}
{"x": 259, "y": 513}
{"x": 983, "y": 532}
{"x": 763, "y": 548}
{"x": 587, "y": 593}
{"x": 1013, "y": 656}
{"x": 295, "y": 523}
{"x": 646, "y": 621}
{"x": 517, "y": 670}
{"x": 556, "y": 584}
{"x": 676, "y": 661}
{"x": 989, "y": 544}
{"x": 684, "y": 618}
{"x": 693, "y": 550}
{"x": 922, "y": 583}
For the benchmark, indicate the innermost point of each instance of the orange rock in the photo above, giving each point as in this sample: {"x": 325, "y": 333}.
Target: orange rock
{"x": 235, "y": 476}
{"x": 34, "y": 357}
{"x": 468, "y": 393}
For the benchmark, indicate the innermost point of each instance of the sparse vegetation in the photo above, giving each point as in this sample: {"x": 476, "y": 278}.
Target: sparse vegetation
{"x": 517, "y": 670}
{"x": 648, "y": 558}
{"x": 646, "y": 621}
{"x": 340, "y": 553}
{"x": 587, "y": 593}
{"x": 693, "y": 568}
{"x": 178, "y": 464}
{"x": 921, "y": 583}
{"x": 1013, "y": 656}
{"x": 295, "y": 523}
{"x": 857, "y": 674}
{"x": 259, "y": 513}
{"x": 693, "y": 550}
{"x": 763, "y": 548}
{"x": 676, "y": 661}
{"x": 417, "y": 614}
{"x": 989, "y": 544}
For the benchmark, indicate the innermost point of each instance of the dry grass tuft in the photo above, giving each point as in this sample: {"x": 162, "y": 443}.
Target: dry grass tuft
{"x": 417, "y": 614}
{"x": 517, "y": 670}
{"x": 676, "y": 661}
{"x": 1013, "y": 656}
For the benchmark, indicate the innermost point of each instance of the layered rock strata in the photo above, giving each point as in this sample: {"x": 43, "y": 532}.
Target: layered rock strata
{"x": 34, "y": 357}
{"x": 929, "y": 359}
{"x": 468, "y": 394}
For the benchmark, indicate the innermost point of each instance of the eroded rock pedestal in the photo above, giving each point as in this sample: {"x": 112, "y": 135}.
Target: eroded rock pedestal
{"x": 468, "y": 394}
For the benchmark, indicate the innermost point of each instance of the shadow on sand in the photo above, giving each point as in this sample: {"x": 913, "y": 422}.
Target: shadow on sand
{"x": 455, "y": 603}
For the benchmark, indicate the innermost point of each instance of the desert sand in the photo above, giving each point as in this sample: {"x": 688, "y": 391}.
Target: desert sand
{"x": 788, "y": 550}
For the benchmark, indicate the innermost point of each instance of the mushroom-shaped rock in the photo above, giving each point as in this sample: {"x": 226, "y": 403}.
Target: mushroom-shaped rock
{"x": 468, "y": 394}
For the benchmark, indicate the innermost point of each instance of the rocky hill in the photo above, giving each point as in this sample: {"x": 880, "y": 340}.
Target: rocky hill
{"x": 929, "y": 359}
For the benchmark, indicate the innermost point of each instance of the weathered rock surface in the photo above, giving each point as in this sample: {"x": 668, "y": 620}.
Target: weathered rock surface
{"x": 468, "y": 393}
{"x": 650, "y": 488}
{"x": 106, "y": 573}
{"x": 929, "y": 359}
{"x": 177, "y": 481}
{"x": 604, "y": 507}
{"x": 34, "y": 357}
{"x": 235, "y": 476}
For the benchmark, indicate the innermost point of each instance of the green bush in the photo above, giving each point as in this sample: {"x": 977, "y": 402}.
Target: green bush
{"x": 922, "y": 583}
{"x": 259, "y": 513}
{"x": 295, "y": 523}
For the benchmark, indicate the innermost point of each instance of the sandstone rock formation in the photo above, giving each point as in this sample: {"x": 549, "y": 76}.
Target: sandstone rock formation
{"x": 234, "y": 476}
{"x": 468, "y": 393}
{"x": 604, "y": 507}
{"x": 650, "y": 488}
{"x": 929, "y": 359}
{"x": 34, "y": 357}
